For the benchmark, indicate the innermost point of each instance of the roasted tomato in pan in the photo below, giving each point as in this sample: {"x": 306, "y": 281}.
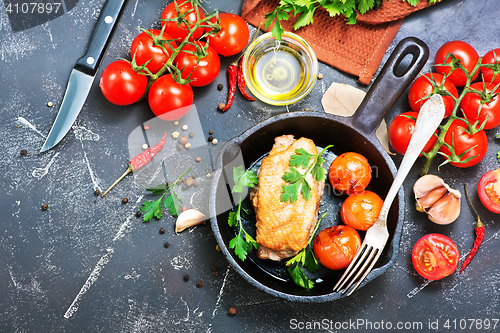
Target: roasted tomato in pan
{"x": 360, "y": 210}
{"x": 349, "y": 173}
{"x": 435, "y": 256}
{"x": 336, "y": 246}
{"x": 401, "y": 129}
{"x": 488, "y": 190}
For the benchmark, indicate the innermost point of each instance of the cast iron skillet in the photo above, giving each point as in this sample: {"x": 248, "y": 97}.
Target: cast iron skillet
{"x": 347, "y": 134}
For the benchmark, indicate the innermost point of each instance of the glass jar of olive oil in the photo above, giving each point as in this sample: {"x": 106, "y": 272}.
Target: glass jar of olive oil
{"x": 280, "y": 72}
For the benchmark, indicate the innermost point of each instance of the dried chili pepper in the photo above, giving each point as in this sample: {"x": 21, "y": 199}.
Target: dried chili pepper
{"x": 479, "y": 229}
{"x": 241, "y": 81}
{"x": 140, "y": 160}
{"x": 232, "y": 72}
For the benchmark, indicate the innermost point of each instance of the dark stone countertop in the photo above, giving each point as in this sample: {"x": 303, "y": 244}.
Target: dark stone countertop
{"x": 87, "y": 264}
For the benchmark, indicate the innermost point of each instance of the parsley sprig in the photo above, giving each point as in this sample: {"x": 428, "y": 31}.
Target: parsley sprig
{"x": 242, "y": 243}
{"x": 296, "y": 181}
{"x": 305, "y": 10}
{"x": 172, "y": 201}
{"x": 304, "y": 259}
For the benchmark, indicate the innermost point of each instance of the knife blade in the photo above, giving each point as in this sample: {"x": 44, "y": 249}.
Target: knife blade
{"x": 83, "y": 73}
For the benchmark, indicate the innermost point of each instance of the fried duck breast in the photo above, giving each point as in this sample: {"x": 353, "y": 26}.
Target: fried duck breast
{"x": 283, "y": 228}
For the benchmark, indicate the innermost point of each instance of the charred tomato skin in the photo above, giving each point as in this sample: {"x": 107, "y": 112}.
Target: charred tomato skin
{"x": 435, "y": 256}
{"x": 349, "y": 172}
{"x": 336, "y": 246}
{"x": 360, "y": 210}
{"x": 488, "y": 190}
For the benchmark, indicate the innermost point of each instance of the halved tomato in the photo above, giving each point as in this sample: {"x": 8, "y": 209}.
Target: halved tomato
{"x": 488, "y": 190}
{"x": 435, "y": 256}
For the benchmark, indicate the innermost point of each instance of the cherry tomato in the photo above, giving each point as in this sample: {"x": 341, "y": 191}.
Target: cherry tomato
{"x": 180, "y": 31}
{"x": 458, "y": 137}
{"x": 490, "y": 75}
{"x": 489, "y": 105}
{"x": 336, "y": 246}
{"x": 121, "y": 85}
{"x": 145, "y": 48}
{"x": 232, "y": 37}
{"x": 488, "y": 190}
{"x": 435, "y": 256}
{"x": 464, "y": 53}
{"x": 202, "y": 72}
{"x": 430, "y": 84}
{"x": 401, "y": 129}
{"x": 360, "y": 210}
{"x": 349, "y": 173}
{"x": 168, "y": 99}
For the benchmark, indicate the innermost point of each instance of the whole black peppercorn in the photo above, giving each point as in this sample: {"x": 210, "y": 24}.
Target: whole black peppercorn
{"x": 97, "y": 192}
{"x": 138, "y": 214}
{"x": 124, "y": 200}
{"x": 185, "y": 278}
{"x": 45, "y": 206}
{"x": 215, "y": 273}
{"x": 24, "y": 152}
{"x": 162, "y": 231}
{"x": 220, "y": 87}
{"x": 199, "y": 284}
{"x": 166, "y": 245}
{"x": 210, "y": 132}
{"x": 210, "y": 138}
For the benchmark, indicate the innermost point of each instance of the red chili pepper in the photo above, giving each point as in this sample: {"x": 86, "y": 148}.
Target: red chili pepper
{"x": 232, "y": 72}
{"x": 140, "y": 160}
{"x": 479, "y": 229}
{"x": 241, "y": 81}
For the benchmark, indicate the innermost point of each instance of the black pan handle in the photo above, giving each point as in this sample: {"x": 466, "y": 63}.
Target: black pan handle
{"x": 394, "y": 78}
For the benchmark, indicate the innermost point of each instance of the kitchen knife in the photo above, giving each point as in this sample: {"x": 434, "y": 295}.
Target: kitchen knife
{"x": 83, "y": 73}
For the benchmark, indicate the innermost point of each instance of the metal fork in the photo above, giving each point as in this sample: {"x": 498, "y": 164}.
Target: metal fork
{"x": 429, "y": 118}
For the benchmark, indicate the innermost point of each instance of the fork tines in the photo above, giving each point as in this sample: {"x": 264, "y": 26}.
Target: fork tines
{"x": 361, "y": 265}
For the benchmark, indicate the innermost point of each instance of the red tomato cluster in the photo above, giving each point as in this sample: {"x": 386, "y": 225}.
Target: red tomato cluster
{"x": 335, "y": 247}
{"x": 167, "y": 63}
{"x": 457, "y": 65}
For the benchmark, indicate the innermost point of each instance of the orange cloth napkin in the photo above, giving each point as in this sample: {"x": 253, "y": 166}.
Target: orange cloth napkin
{"x": 356, "y": 49}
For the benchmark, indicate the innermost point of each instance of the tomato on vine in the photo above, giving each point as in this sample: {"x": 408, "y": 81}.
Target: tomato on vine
{"x": 232, "y": 36}
{"x": 469, "y": 144}
{"x": 168, "y": 99}
{"x": 483, "y": 105}
{"x": 154, "y": 46}
{"x": 175, "y": 23}
{"x": 401, "y": 129}
{"x": 202, "y": 71}
{"x": 121, "y": 84}
{"x": 429, "y": 84}
{"x": 464, "y": 54}
{"x": 491, "y": 75}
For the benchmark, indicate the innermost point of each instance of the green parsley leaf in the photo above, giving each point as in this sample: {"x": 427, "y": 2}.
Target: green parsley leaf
{"x": 243, "y": 178}
{"x": 240, "y": 247}
{"x": 232, "y": 219}
{"x": 158, "y": 189}
{"x": 299, "y": 277}
{"x": 296, "y": 180}
{"x": 152, "y": 208}
{"x": 300, "y": 158}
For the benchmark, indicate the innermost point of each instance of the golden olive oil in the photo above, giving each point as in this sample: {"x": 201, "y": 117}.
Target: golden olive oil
{"x": 278, "y": 73}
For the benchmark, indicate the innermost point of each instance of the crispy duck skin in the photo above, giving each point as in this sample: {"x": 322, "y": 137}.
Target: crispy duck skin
{"x": 283, "y": 228}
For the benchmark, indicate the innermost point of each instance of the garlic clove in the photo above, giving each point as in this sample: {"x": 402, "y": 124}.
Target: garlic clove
{"x": 189, "y": 218}
{"x": 426, "y": 202}
{"x": 425, "y": 184}
{"x": 445, "y": 210}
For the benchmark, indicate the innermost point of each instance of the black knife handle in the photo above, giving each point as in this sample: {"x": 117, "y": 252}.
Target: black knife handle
{"x": 89, "y": 63}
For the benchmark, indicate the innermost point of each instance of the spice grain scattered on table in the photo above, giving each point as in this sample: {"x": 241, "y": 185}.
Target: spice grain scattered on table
{"x": 45, "y": 206}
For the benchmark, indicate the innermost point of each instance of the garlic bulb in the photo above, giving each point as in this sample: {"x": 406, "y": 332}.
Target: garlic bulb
{"x": 437, "y": 199}
{"x": 189, "y": 218}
